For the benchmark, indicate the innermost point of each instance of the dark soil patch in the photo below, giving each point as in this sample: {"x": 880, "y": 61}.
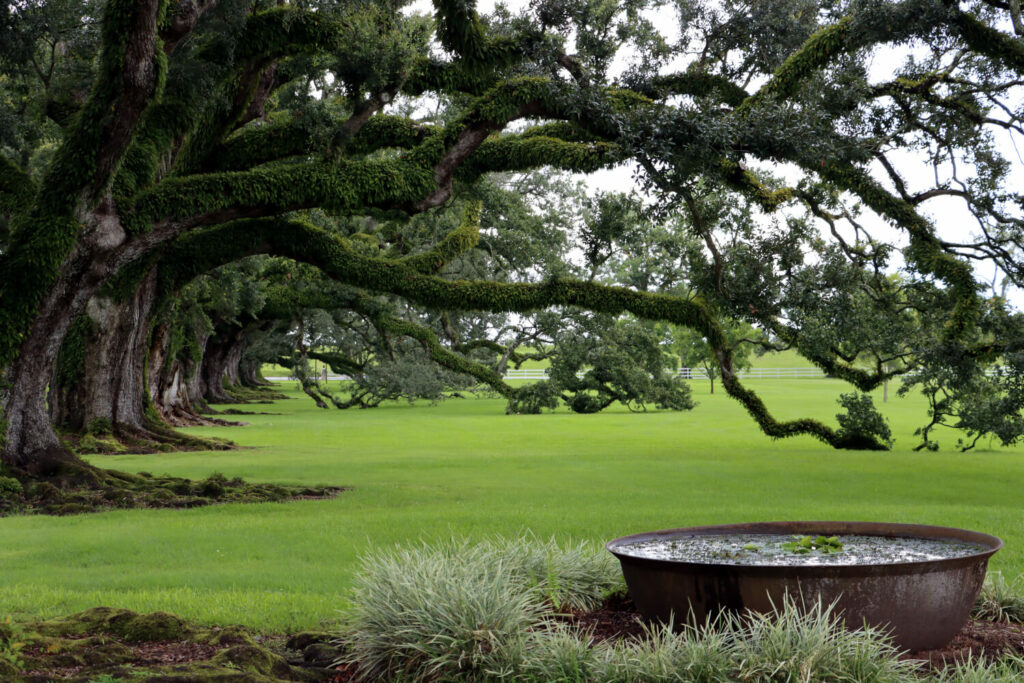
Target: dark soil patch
{"x": 616, "y": 619}
{"x": 977, "y": 640}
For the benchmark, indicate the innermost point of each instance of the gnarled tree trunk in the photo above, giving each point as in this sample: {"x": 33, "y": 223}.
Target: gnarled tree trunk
{"x": 109, "y": 383}
{"x": 220, "y": 364}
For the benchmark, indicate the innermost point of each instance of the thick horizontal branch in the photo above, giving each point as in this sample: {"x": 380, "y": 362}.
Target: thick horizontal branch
{"x": 523, "y": 152}
{"x": 416, "y": 181}
{"x": 302, "y": 135}
{"x": 695, "y": 85}
{"x": 344, "y": 186}
{"x": 457, "y": 242}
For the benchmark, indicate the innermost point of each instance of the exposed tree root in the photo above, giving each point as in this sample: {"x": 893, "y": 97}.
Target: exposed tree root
{"x": 261, "y": 394}
{"x": 60, "y": 483}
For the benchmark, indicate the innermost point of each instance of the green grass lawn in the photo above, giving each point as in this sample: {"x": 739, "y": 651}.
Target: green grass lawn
{"x": 463, "y": 468}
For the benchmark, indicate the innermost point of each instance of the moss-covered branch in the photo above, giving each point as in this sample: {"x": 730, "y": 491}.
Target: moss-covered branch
{"x": 344, "y": 187}
{"x": 269, "y": 36}
{"x": 337, "y": 361}
{"x": 257, "y": 145}
{"x": 416, "y": 181}
{"x": 925, "y": 250}
{"x": 458, "y": 241}
{"x": 514, "y": 356}
{"x": 1005, "y": 49}
{"x": 696, "y": 84}
{"x": 446, "y": 358}
{"x": 519, "y": 152}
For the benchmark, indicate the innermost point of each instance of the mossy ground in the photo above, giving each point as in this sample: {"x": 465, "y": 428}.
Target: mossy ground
{"x": 75, "y": 489}
{"x": 117, "y": 644}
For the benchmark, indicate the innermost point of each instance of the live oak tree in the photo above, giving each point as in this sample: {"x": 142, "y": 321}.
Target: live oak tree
{"x": 156, "y": 140}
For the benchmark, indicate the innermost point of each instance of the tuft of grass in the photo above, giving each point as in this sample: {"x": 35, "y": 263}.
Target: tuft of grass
{"x": 562, "y": 655}
{"x": 1000, "y": 600}
{"x": 704, "y": 655}
{"x": 576, "y": 576}
{"x": 812, "y": 644}
{"x": 1008, "y": 669}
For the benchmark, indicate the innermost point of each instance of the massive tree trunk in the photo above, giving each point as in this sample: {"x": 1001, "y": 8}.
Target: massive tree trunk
{"x": 175, "y": 383}
{"x": 108, "y": 384}
{"x": 250, "y": 371}
{"x": 31, "y": 443}
{"x": 221, "y": 361}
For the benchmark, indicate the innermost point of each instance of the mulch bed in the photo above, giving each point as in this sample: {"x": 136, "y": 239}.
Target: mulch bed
{"x": 617, "y": 618}
{"x": 977, "y": 640}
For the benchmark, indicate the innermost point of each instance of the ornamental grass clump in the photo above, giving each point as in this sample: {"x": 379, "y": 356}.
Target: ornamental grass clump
{"x": 1000, "y": 600}
{"x": 576, "y": 576}
{"x": 427, "y": 613}
{"x": 559, "y": 653}
{"x": 811, "y": 644}
{"x": 694, "y": 655}
{"x": 1007, "y": 669}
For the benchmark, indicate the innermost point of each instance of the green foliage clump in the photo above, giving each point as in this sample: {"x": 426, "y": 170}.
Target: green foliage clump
{"x": 12, "y": 642}
{"x": 861, "y": 426}
{"x": 100, "y": 427}
{"x": 534, "y": 398}
{"x": 10, "y": 486}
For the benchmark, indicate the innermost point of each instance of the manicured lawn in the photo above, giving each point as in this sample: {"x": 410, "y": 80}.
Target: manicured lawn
{"x": 464, "y": 468}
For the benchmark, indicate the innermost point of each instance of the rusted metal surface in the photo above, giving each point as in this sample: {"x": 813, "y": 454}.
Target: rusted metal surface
{"x": 922, "y": 604}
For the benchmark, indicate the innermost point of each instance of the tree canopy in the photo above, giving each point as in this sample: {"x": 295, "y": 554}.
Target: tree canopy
{"x": 792, "y": 154}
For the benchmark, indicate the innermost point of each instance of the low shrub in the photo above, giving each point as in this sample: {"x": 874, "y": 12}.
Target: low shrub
{"x": 10, "y": 486}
